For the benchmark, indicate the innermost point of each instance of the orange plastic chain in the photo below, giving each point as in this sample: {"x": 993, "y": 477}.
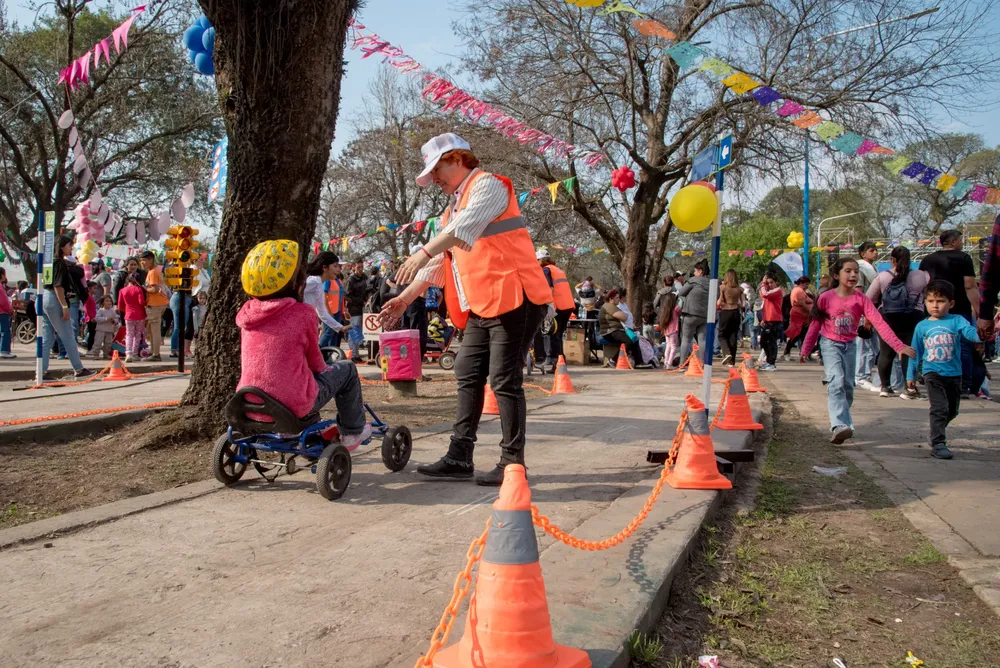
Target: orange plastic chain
{"x": 722, "y": 404}
{"x": 538, "y": 387}
{"x": 102, "y": 372}
{"x": 99, "y": 411}
{"x": 683, "y": 366}
{"x": 462, "y": 585}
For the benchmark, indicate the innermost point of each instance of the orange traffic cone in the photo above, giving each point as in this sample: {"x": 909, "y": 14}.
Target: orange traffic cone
{"x": 695, "y": 467}
{"x": 563, "y": 384}
{"x": 750, "y": 380}
{"x": 508, "y": 620}
{"x": 623, "y": 359}
{"x": 349, "y": 355}
{"x": 118, "y": 370}
{"x": 490, "y": 406}
{"x": 695, "y": 369}
{"x": 737, "y": 411}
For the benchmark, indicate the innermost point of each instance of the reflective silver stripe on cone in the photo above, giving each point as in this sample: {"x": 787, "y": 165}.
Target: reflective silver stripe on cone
{"x": 511, "y": 541}
{"x": 501, "y": 226}
{"x": 698, "y": 423}
{"x": 736, "y": 387}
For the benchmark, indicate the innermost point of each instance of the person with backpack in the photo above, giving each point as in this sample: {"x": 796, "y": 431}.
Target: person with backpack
{"x": 900, "y": 295}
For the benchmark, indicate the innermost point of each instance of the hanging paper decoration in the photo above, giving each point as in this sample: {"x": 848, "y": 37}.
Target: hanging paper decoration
{"x": 807, "y": 120}
{"x": 200, "y": 41}
{"x": 716, "y": 67}
{"x": 929, "y": 176}
{"x": 790, "y": 108}
{"x": 945, "y": 183}
{"x": 979, "y": 194}
{"x": 79, "y": 70}
{"x": 848, "y": 143}
{"x": 651, "y": 28}
{"x": 898, "y": 164}
{"x": 523, "y": 197}
{"x": 685, "y": 54}
{"x": 568, "y": 185}
{"x": 623, "y": 178}
{"x": 740, "y": 83}
{"x": 220, "y": 171}
{"x": 914, "y": 170}
{"x": 554, "y": 190}
{"x": 765, "y": 95}
{"x": 828, "y": 130}
{"x": 992, "y": 196}
{"x": 453, "y": 99}
{"x": 586, "y": 3}
{"x": 619, "y": 6}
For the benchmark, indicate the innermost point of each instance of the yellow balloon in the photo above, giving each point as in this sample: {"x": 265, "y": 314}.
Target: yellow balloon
{"x": 693, "y": 208}
{"x": 795, "y": 240}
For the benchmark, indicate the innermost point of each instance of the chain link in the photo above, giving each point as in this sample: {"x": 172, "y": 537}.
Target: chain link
{"x": 461, "y": 588}
{"x": 722, "y": 404}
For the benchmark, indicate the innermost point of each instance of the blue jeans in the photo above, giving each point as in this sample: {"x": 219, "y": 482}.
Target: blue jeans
{"x": 340, "y": 382}
{"x": 52, "y": 326}
{"x": 866, "y": 351}
{"x": 74, "y": 318}
{"x": 175, "y": 308}
{"x": 356, "y": 347}
{"x": 838, "y": 367}
{"x": 330, "y": 338}
{"x": 4, "y": 331}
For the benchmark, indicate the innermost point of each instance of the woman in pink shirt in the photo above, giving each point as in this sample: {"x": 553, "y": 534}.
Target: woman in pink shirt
{"x": 670, "y": 318}
{"x": 835, "y": 321}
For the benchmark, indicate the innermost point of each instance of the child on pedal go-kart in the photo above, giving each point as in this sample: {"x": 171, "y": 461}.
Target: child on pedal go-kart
{"x": 280, "y": 343}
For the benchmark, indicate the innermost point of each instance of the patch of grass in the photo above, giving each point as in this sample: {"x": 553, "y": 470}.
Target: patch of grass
{"x": 775, "y": 498}
{"x": 644, "y": 650}
{"x": 964, "y": 644}
{"x": 925, "y": 554}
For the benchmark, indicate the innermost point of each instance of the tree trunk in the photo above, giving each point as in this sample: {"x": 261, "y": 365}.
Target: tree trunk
{"x": 279, "y": 65}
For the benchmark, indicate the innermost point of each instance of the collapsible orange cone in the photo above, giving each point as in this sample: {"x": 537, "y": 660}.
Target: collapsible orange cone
{"x": 622, "y": 359}
{"x": 349, "y": 355}
{"x": 750, "y": 381}
{"x": 508, "y": 620}
{"x": 118, "y": 370}
{"x": 695, "y": 467}
{"x": 490, "y": 406}
{"x": 695, "y": 369}
{"x": 737, "y": 411}
{"x": 563, "y": 384}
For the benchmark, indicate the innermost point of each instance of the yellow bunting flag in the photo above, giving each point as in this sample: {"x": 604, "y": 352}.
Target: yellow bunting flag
{"x": 898, "y": 164}
{"x": 808, "y": 120}
{"x": 687, "y": 253}
{"x": 760, "y": 252}
{"x": 946, "y": 181}
{"x": 345, "y": 244}
{"x": 554, "y": 189}
{"x": 829, "y": 130}
{"x": 716, "y": 67}
{"x": 740, "y": 83}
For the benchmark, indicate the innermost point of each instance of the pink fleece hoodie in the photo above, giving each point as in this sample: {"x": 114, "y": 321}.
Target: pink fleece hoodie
{"x": 280, "y": 351}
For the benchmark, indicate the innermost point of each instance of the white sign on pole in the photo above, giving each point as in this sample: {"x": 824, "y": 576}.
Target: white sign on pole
{"x": 371, "y": 327}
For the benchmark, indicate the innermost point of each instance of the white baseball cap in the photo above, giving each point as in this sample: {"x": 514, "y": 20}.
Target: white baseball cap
{"x": 432, "y": 151}
{"x": 541, "y": 255}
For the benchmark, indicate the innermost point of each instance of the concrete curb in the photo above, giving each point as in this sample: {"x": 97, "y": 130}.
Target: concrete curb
{"x": 8, "y": 375}
{"x": 110, "y": 512}
{"x": 55, "y": 431}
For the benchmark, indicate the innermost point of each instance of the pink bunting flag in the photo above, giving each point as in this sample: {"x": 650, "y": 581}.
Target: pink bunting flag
{"x": 979, "y": 194}
{"x": 121, "y": 33}
{"x": 867, "y": 146}
{"x": 790, "y": 108}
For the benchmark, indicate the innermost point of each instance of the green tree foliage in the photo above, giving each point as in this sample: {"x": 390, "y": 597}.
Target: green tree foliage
{"x": 761, "y": 232}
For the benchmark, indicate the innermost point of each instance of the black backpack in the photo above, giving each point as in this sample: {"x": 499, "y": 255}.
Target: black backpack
{"x": 896, "y": 299}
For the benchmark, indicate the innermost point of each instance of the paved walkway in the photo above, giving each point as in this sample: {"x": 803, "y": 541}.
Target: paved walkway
{"x": 264, "y": 575}
{"x": 953, "y": 502}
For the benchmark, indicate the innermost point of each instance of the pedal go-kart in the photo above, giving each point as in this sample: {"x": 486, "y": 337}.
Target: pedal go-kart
{"x": 275, "y": 443}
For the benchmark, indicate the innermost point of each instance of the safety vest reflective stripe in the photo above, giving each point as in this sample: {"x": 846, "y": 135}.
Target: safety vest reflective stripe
{"x": 560, "y": 280}
{"x": 502, "y": 226}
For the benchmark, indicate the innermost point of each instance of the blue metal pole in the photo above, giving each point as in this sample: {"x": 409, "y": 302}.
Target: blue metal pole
{"x": 713, "y": 294}
{"x": 805, "y": 217}
{"x": 39, "y": 344}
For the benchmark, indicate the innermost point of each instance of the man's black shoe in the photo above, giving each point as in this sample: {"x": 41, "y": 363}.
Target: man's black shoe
{"x": 448, "y": 468}
{"x": 492, "y": 478}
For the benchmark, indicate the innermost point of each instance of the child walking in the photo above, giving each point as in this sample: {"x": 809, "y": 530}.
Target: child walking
{"x": 670, "y": 317}
{"x": 835, "y": 319}
{"x": 107, "y": 326}
{"x": 938, "y": 344}
{"x": 132, "y": 304}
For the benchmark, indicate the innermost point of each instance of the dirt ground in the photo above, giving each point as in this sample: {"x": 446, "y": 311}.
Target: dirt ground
{"x": 43, "y": 480}
{"x": 815, "y": 568}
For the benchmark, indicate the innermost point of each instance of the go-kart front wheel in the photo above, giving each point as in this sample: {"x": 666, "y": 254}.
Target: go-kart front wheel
{"x": 447, "y": 360}
{"x": 224, "y": 465}
{"x": 397, "y": 444}
{"x": 333, "y": 473}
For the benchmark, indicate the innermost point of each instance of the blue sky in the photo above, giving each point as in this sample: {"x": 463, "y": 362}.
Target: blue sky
{"x": 424, "y": 31}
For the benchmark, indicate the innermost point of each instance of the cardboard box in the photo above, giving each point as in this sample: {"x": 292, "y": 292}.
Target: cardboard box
{"x": 575, "y": 334}
{"x": 577, "y": 352}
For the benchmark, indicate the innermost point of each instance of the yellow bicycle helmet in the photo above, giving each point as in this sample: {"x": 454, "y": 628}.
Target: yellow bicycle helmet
{"x": 269, "y": 267}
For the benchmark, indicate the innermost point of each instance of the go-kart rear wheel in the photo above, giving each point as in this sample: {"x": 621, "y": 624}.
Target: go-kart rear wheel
{"x": 447, "y": 360}
{"x": 224, "y": 465}
{"x": 397, "y": 444}
{"x": 332, "y": 354}
{"x": 333, "y": 473}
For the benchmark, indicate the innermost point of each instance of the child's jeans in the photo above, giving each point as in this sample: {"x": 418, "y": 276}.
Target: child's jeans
{"x": 4, "y": 331}
{"x": 839, "y": 368}
{"x": 103, "y": 342}
{"x": 669, "y": 348}
{"x": 134, "y": 331}
{"x": 340, "y": 382}
{"x": 945, "y": 393}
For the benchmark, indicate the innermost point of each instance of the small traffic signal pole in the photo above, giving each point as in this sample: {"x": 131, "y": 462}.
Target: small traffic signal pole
{"x": 180, "y": 330}
{"x": 182, "y": 277}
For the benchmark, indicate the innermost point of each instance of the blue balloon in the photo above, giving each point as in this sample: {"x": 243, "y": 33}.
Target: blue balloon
{"x": 208, "y": 40}
{"x": 192, "y": 37}
{"x": 203, "y": 63}
{"x": 192, "y": 55}
{"x": 203, "y": 22}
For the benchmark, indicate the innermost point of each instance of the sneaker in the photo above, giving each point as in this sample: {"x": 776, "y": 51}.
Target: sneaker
{"x": 785, "y": 358}
{"x": 173, "y": 353}
{"x": 154, "y": 358}
{"x": 966, "y": 395}
{"x": 941, "y": 452}
{"x": 841, "y": 434}
{"x": 129, "y": 359}
{"x": 886, "y": 392}
{"x": 352, "y": 441}
{"x": 7, "y": 356}
{"x": 767, "y": 367}
{"x": 728, "y": 359}
{"x": 82, "y": 373}
{"x": 865, "y": 383}
{"x": 447, "y": 468}
{"x": 910, "y": 394}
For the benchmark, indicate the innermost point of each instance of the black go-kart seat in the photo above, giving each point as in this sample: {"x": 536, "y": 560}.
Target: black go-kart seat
{"x": 253, "y": 400}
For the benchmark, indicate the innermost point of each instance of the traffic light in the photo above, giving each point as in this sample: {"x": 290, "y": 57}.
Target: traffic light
{"x": 180, "y": 254}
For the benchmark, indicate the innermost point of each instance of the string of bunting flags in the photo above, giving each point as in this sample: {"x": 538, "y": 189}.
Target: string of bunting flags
{"x": 79, "y": 71}
{"x": 839, "y": 138}
{"x": 453, "y": 99}
{"x": 343, "y": 243}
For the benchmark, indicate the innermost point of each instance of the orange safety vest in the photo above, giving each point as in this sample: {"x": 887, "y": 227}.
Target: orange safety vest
{"x": 334, "y": 297}
{"x": 561, "y": 294}
{"x": 500, "y": 270}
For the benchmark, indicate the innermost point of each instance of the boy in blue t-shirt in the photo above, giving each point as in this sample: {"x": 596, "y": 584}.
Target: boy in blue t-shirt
{"x": 938, "y": 342}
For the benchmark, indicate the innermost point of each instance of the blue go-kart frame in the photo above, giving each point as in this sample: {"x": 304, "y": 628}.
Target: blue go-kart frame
{"x": 291, "y": 437}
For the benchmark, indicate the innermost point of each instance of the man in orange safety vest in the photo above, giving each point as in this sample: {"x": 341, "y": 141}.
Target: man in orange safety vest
{"x": 562, "y": 297}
